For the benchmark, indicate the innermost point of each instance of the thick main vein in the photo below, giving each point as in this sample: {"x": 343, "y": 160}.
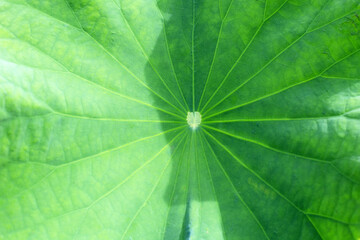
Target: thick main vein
{"x": 181, "y": 160}
{"x": 110, "y": 191}
{"x": 57, "y": 167}
{"x": 283, "y": 89}
{"x": 147, "y": 57}
{"x": 213, "y": 186}
{"x": 153, "y": 189}
{"x": 215, "y": 52}
{"x": 278, "y": 119}
{"x": 235, "y": 190}
{"x": 243, "y": 164}
{"x": 241, "y": 55}
{"x": 270, "y": 61}
{"x": 104, "y": 49}
{"x": 193, "y": 53}
{"x": 101, "y": 87}
{"x": 263, "y": 180}
{"x": 322, "y": 161}
{"x": 115, "y": 119}
{"x": 171, "y": 61}
{"x": 198, "y": 179}
{"x": 266, "y": 146}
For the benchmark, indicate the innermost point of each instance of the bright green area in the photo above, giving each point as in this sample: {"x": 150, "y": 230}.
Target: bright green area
{"x": 94, "y": 138}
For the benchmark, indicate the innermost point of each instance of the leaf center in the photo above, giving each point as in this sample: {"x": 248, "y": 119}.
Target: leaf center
{"x": 193, "y": 119}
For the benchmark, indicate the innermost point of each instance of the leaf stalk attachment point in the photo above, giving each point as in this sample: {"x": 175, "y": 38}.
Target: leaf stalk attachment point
{"x": 193, "y": 119}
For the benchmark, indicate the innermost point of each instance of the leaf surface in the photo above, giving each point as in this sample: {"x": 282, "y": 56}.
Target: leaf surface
{"x": 95, "y": 99}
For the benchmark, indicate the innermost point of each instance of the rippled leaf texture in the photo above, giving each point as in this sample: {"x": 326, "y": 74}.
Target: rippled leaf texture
{"x": 94, "y": 142}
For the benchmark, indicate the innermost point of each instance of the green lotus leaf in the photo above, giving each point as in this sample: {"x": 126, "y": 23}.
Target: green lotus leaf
{"x": 180, "y": 119}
